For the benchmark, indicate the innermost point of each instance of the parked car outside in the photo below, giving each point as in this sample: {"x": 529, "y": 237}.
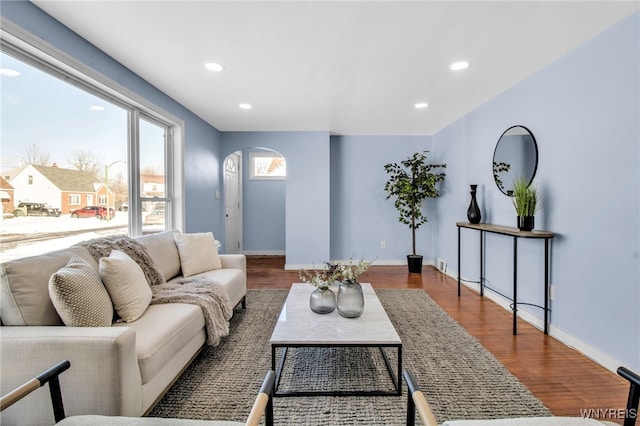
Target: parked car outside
{"x": 154, "y": 218}
{"x": 93, "y": 211}
{"x": 35, "y": 209}
{"x": 124, "y": 207}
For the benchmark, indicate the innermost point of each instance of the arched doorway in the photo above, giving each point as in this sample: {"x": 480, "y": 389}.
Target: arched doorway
{"x": 255, "y": 193}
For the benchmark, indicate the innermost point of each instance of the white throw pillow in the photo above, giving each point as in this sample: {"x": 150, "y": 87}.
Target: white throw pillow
{"x": 126, "y": 284}
{"x": 198, "y": 253}
{"x": 79, "y": 296}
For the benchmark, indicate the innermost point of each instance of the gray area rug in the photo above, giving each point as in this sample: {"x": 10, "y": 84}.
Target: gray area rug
{"x": 459, "y": 377}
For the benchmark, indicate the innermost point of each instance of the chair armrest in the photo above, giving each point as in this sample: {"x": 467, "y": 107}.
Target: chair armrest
{"x": 264, "y": 402}
{"x": 234, "y": 261}
{"x": 105, "y": 378}
{"x": 50, "y": 376}
{"x": 633, "y": 397}
{"x": 416, "y": 400}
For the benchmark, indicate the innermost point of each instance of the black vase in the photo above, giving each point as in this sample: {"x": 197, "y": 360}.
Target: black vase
{"x": 473, "y": 212}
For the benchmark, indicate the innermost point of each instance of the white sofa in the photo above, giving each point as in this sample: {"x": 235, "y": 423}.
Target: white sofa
{"x": 119, "y": 370}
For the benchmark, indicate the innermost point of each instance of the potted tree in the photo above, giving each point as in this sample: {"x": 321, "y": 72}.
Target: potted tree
{"x": 526, "y": 200}
{"x": 411, "y": 182}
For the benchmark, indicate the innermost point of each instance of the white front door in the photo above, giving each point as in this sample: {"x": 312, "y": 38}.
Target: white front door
{"x": 89, "y": 200}
{"x": 233, "y": 208}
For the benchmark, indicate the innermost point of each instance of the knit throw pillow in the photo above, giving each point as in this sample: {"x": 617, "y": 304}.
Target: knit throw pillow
{"x": 79, "y": 296}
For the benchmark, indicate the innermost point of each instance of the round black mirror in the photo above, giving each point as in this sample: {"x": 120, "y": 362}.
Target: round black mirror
{"x": 515, "y": 156}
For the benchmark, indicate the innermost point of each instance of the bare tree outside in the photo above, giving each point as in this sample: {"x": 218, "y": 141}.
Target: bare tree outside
{"x": 151, "y": 170}
{"x": 120, "y": 188}
{"x": 32, "y": 154}
{"x": 87, "y": 161}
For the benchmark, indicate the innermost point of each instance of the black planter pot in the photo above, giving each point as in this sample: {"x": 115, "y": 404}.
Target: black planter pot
{"x": 415, "y": 263}
{"x": 525, "y": 223}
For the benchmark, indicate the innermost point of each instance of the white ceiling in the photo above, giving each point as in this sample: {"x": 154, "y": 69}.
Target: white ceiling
{"x": 348, "y": 67}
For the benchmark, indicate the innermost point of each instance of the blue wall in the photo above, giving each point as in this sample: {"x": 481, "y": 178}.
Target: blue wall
{"x": 202, "y": 141}
{"x": 263, "y": 214}
{"x": 307, "y": 189}
{"x": 584, "y": 112}
{"x": 361, "y": 217}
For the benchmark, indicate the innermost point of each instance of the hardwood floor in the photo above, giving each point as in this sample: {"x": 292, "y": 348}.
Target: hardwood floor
{"x": 563, "y": 379}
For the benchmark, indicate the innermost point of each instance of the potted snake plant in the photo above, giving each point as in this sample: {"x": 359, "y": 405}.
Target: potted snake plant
{"x": 526, "y": 200}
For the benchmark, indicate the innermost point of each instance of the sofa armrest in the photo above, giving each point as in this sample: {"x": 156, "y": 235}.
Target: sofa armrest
{"x": 104, "y": 377}
{"x": 234, "y": 261}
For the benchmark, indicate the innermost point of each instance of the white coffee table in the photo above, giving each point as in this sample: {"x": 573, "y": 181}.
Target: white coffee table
{"x": 298, "y": 326}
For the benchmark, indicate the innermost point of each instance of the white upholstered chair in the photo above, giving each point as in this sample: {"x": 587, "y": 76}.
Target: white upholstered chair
{"x": 262, "y": 406}
{"x": 416, "y": 401}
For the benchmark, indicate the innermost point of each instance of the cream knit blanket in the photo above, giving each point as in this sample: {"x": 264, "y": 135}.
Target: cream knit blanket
{"x": 206, "y": 293}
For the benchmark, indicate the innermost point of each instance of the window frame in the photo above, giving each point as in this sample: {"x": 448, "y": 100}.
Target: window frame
{"x": 26, "y": 47}
{"x": 264, "y": 154}
{"x": 75, "y": 197}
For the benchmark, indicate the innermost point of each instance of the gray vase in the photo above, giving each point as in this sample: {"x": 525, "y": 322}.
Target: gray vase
{"x": 322, "y": 300}
{"x": 350, "y": 299}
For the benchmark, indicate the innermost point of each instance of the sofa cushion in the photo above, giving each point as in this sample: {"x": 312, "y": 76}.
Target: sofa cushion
{"x": 163, "y": 250}
{"x": 24, "y": 293}
{"x": 232, "y": 280}
{"x": 79, "y": 296}
{"x": 161, "y": 332}
{"x": 126, "y": 284}
{"x": 198, "y": 253}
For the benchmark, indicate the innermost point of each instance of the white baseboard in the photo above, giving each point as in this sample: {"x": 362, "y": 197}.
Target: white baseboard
{"x": 377, "y": 262}
{"x": 569, "y": 340}
{"x": 297, "y": 266}
{"x": 264, "y": 252}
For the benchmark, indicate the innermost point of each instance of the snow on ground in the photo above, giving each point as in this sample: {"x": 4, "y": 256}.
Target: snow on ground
{"x": 30, "y": 225}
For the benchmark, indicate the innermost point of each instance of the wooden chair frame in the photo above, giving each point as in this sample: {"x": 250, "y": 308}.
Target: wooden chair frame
{"x": 417, "y": 401}
{"x": 263, "y": 403}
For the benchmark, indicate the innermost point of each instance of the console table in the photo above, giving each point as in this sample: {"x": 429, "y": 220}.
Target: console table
{"x": 516, "y": 234}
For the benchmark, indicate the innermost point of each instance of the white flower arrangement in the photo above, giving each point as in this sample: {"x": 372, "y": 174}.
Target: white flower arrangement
{"x": 218, "y": 244}
{"x": 321, "y": 278}
{"x": 348, "y": 271}
{"x": 335, "y": 271}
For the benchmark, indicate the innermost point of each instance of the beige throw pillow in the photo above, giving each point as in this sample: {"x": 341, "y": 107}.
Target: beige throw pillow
{"x": 198, "y": 253}
{"x": 126, "y": 284}
{"x": 79, "y": 296}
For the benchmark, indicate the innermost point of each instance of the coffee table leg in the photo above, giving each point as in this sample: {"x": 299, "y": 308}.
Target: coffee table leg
{"x": 396, "y": 379}
{"x": 280, "y": 366}
{"x": 400, "y": 370}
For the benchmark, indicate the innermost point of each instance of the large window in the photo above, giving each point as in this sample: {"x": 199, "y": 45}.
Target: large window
{"x": 72, "y": 144}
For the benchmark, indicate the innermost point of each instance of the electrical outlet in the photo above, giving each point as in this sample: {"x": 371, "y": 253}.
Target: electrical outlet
{"x": 383, "y": 244}
{"x": 552, "y": 292}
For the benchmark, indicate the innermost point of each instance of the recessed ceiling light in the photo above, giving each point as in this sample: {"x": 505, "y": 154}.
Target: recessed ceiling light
{"x": 7, "y": 72}
{"x": 96, "y": 108}
{"x": 460, "y": 65}
{"x": 212, "y": 66}
{"x": 421, "y": 105}
{"x": 245, "y": 106}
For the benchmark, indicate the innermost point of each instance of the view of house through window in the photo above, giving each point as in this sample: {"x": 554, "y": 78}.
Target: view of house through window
{"x": 64, "y": 164}
{"x": 152, "y": 176}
